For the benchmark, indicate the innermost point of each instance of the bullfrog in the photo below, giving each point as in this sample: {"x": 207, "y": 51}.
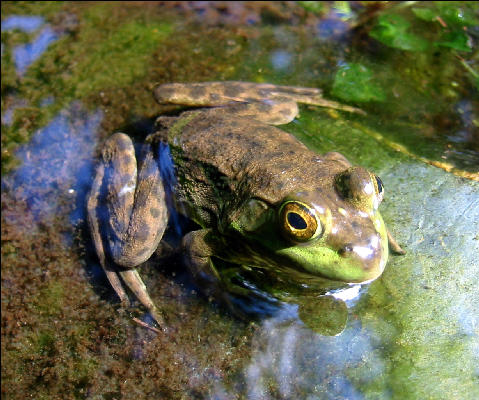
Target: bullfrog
{"x": 261, "y": 199}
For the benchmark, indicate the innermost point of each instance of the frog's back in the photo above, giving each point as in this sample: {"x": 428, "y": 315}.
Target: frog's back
{"x": 242, "y": 148}
{"x": 224, "y": 158}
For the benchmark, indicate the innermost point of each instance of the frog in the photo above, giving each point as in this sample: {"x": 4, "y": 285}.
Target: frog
{"x": 260, "y": 199}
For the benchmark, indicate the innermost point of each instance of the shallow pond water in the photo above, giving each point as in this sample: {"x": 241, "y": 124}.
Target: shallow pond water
{"x": 73, "y": 73}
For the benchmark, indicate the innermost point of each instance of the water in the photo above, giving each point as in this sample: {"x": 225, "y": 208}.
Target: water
{"x": 57, "y": 162}
{"x": 413, "y": 333}
{"x": 26, "y": 54}
{"x": 26, "y": 23}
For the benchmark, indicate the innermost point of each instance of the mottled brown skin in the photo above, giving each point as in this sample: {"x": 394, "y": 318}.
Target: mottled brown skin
{"x": 234, "y": 174}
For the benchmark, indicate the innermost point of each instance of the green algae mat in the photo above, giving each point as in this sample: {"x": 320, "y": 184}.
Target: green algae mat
{"x": 74, "y": 73}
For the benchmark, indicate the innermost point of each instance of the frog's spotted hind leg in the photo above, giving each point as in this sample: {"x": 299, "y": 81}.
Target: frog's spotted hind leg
{"x": 127, "y": 215}
{"x": 133, "y": 279}
{"x": 311, "y": 96}
{"x": 92, "y": 206}
{"x": 272, "y": 104}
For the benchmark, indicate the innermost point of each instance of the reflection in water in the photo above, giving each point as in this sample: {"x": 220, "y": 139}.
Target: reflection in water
{"x": 420, "y": 320}
{"x": 466, "y": 134}
{"x": 332, "y": 28}
{"x": 291, "y": 361}
{"x": 57, "y": 163}
{"x": 335, "y": 25}
{"x": 350, "y": 294}
{"x": 26, "y": 54}
{"x": 7, "y": 115}
{"x": 25, "y": 23}
{"x": 281, "y": 59}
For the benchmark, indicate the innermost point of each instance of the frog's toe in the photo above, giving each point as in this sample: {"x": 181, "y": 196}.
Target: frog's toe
{"x": 394, "y": 246}
{"x": 133, "y": 280}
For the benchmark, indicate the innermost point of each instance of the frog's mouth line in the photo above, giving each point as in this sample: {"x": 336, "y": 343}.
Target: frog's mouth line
{"x": 289, "y": 278}
{"x": 308, "y": 262}
{"x": 289, "y": 264}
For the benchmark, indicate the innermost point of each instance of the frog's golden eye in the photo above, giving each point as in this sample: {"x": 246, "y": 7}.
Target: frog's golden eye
{"x": 299, "y": 222}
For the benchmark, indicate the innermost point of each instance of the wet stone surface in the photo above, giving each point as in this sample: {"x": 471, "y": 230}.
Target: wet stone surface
{"x": 74, "y": 73}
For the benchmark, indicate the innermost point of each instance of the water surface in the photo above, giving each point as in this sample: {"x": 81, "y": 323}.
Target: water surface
{"x": 73, "y": 74}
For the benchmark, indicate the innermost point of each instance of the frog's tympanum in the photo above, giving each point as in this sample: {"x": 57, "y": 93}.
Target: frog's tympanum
{"x": 261, "y": 198}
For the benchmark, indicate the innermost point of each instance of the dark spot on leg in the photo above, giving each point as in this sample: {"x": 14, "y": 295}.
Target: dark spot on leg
{"x": 232, "y": 91}
{"x": 355, "y": 225}
{"x": 165, "y": 92}
{"x": 284, "y": 166}
{"x": 141, "y": 200}
{"x": 197, "y": 92}
{"x": 276, "y": 154}
{"x": 214, "y": 97}
{"x": 155, "y": 212}
{"x": 265, "y": 107}
{"x": 118, "y": 226}
{"x": 143, "y": 233}
{"x": 256, "y": 144}
{"x": 155, "y": 191}
{"x": 233, "y": 124}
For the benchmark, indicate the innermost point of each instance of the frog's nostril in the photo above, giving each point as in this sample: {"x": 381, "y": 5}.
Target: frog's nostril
{"x": 346, "y": 250}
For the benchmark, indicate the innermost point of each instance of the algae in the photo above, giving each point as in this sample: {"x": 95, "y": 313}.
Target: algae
{"x": 411, "y": 334}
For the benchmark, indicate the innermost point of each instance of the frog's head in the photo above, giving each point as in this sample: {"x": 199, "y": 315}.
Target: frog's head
{"x": 332, "y": 231}
{"x": 336, "y": 231}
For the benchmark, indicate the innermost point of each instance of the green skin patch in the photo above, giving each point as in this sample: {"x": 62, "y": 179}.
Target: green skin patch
{"x": 326, "y": 262}
{"x": 316, "y": 257}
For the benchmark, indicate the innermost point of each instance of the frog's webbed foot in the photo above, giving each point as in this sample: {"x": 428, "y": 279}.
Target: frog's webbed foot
{"x": 310, "y": 96}
{"x": 127, "y": 216}
{"x": 271, "y": 104}
{"x": 394, "y": 246}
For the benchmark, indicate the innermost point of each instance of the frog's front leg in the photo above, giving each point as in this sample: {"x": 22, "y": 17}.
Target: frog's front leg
{"x": 127, "y": 215}
{"x": 198, "y": 248}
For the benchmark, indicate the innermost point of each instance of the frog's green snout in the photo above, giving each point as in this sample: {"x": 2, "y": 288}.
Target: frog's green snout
{"x": 368, "y": 252}
{"x": 368, "y": 259}
{"x": 342, "y": 239}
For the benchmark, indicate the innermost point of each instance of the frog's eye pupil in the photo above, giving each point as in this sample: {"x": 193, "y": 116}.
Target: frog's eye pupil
{"x": 380, "y": 184}
{"x": 296, "y": 221}
{"x": 299, "y": 221}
